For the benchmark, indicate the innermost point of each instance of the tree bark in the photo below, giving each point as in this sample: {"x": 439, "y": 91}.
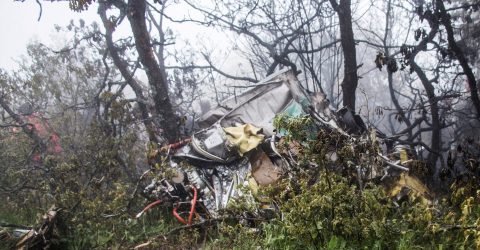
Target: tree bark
{"x": 350, "y": 79}
{"x": 123, "y": 68}
{"x": 457, "y": 51}
{"x": 436, "y": 142}
{"x": 156, "y": 74}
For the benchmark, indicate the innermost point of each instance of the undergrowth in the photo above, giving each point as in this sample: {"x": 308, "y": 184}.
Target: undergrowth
{"x": 319, "y": 205}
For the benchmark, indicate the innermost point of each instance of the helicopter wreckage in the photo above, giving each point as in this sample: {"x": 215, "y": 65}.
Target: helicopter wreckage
{"x": 238, "y": 150}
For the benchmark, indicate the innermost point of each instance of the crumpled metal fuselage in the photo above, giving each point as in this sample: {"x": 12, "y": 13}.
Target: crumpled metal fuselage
{"x": 234, "y": 152}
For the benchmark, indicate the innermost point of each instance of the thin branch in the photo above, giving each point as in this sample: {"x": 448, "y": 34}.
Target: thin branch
{"x": 239, "y": 78}
{"x": 40, "y": 10}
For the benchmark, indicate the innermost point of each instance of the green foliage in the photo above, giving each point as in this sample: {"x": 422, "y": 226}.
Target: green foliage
{"x": 324, "y": 214}
{"x": 340, "y": 217}
{"x": 332, "y": 213}
{"x": 316, "y": 208}
{"x": 298, "y": 128}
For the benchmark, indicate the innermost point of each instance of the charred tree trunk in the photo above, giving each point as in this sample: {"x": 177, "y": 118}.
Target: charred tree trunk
{"x": 350, "y": 79}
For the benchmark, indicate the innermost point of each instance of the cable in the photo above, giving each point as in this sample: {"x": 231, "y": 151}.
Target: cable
{"x": 193, "y": 203}
{"x": 176, "y": 215}
{"x": 148, "y": 207}
{"x": 192, "y": 209}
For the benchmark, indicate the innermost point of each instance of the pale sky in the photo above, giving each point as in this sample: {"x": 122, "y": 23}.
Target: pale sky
{"x": 19, "y": 25}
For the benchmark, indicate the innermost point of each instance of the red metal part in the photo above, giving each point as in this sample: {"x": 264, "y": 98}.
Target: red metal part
{"x": 193, "y": 203}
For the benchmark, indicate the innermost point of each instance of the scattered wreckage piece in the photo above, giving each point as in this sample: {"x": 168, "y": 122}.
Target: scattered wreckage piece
{"x": 24, "y": 238}
{"x": 235, "y": 151}
{"x": 10, "y": 233}
{"x": 406, "y": 185}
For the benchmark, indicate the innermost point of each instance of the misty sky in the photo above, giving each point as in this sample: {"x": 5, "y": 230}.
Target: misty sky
{"x": 19, "y": 24}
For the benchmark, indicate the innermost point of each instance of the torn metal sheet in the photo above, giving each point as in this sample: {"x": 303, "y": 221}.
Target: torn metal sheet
{"x": 259, "y": 105}
{"x": 41, "y": 237}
